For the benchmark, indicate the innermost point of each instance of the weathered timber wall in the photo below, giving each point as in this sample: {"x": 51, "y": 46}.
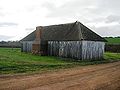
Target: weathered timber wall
{"x": 26, "y": 46}
{"x": 70, "y": 49}
{"x": 92, "y": 50}
{"x": 76, "y": 49}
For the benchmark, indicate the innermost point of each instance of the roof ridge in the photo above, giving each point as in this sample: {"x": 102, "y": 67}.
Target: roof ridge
{"x": 70, "y": 29}
{"x": 80, "y": 31}
{"x": 58, "y": 24}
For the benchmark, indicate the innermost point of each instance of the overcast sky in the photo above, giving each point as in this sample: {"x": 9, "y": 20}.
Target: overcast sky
{"x": 20, "y": 17}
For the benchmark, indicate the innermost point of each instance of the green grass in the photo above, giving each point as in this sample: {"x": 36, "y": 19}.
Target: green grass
{"x": 111, "y": 56}
{"x": 112, "y": 40}
{"x": 14, "y": 61}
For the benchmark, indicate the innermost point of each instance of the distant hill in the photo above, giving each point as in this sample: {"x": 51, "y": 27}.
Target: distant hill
{"x": 113, "y": 40}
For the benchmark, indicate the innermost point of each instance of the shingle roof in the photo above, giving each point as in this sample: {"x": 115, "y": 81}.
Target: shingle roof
{"x": 60, "y": 32}
{"x": 30, "y": 37}
{"x": 71, "y": 32}
{"x": 88, "y": 34}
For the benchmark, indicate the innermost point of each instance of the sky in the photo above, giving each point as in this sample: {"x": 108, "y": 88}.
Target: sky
{"x": 18, "y": 18}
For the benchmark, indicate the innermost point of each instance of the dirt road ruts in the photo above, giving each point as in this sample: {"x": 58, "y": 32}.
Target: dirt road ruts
{"x": 92, "y": 77}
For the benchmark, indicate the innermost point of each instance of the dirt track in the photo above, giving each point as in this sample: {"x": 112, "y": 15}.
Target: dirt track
{"x": 93, "y": 77}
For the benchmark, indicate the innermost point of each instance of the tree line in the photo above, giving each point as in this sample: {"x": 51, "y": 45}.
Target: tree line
{"x": 13, "y": 44}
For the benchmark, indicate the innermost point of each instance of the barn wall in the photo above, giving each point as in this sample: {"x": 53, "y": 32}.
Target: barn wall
{"x": 26, "y": 46}
{"x": 70, "y": 49}
{"x": 82, "y": 50}
{"x": 92, "y": 50}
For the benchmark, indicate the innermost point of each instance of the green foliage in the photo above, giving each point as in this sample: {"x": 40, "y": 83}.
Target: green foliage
{"x": 14, "y": 61}
{"x": 113, "y": 40}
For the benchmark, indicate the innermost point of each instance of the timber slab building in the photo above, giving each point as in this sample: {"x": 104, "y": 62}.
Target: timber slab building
{"x": 71, "y": 40}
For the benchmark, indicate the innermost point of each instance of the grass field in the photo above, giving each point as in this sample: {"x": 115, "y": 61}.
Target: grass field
{"x": 111, "y": 40}
{"x": 14, "y": 61}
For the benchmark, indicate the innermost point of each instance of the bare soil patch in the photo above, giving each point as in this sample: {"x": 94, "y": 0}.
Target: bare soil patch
{"x": 92, "y": 77}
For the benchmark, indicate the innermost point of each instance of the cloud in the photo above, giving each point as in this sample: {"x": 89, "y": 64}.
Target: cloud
{"x": 1, "y": 12}
{"x": 107, "y": 30}
{"x": 70, "y": 9}
{"x": 7, "y": 24}
{"x": 4, "y": 37}
{"x": 30, "y": 29}
{"x": 113, "y": 18}
{"x": 109, "y": 4}
{"x": 18, "y": 17}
